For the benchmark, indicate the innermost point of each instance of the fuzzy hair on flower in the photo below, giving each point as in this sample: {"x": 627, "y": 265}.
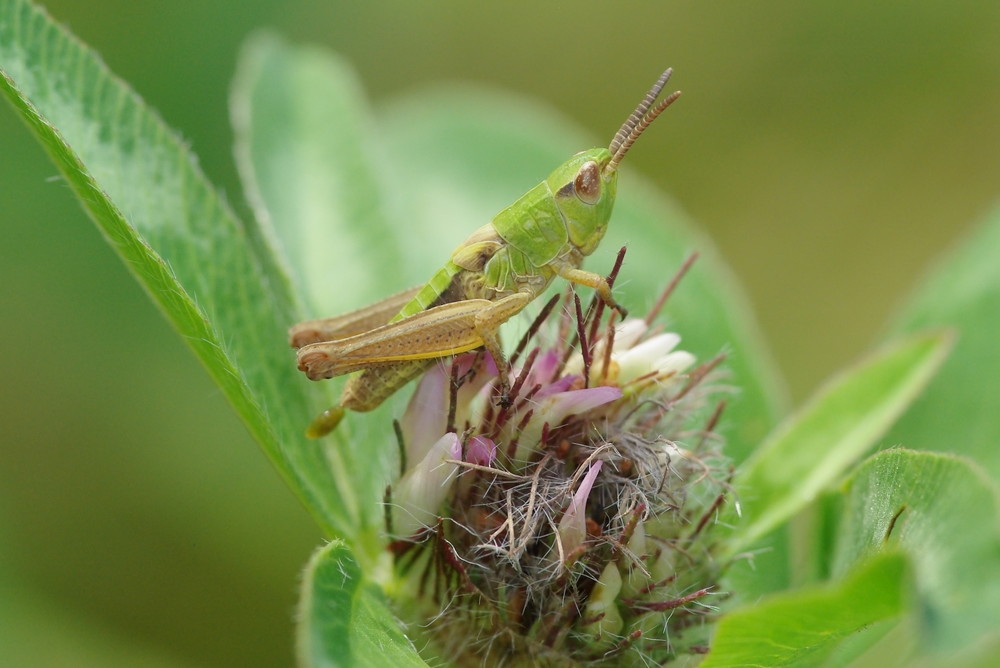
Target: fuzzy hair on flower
{"x": 572, "y": 523}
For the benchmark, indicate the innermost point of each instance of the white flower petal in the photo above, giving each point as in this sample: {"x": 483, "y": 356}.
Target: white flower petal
{"x": 642, "y": 359}
{"x": 555, "y": 408}
{"x": 426, "y": 415}
{"x": 628, "y": 333}
{"x": 676, "y": 362}
{"x": 418, "y": 495}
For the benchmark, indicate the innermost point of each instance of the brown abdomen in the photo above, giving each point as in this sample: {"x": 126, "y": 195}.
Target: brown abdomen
{"x": 366, "y": 390}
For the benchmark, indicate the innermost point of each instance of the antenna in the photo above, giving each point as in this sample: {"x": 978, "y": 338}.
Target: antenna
{"x": 639, "y": 120}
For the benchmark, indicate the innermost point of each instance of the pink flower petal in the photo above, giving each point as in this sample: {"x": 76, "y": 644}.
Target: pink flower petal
{"x": 572, "y": 530}
{"x": 545, "y": 365}
{"x": 555, "y": 408}
{"x": 561, "y": 385}
{"x": 480, "y": 450}
{"x": 576, "y": 402}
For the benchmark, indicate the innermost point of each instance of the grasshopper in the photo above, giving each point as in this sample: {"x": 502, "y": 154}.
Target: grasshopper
{"x": 490, "y": 277}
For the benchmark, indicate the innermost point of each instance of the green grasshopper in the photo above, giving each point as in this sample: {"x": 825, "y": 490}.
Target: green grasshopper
{"x": 490, "y": 277}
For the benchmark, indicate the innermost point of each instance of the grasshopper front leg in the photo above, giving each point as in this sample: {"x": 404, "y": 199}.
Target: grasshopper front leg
{"x": 579, "y": 276}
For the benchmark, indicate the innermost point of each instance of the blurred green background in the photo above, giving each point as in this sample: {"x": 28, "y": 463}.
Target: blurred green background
{"x": 831, "y": 149}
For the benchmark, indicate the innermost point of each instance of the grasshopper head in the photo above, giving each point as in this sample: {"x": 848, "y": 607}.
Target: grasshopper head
{"x": 585, "y": 194}
{"x": 585, "y": 186}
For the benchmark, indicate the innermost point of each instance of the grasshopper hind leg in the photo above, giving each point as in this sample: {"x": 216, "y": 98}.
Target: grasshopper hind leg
{"x": 392, "y": 355}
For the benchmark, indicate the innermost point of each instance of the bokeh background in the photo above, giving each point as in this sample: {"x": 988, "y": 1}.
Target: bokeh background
{"x": 831, "y": 149}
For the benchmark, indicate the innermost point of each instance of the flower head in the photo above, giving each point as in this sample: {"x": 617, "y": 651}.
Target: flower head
{"x": 573, "y": 523}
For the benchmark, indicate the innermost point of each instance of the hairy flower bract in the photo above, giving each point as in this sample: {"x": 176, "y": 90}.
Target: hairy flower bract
{"x": 571, "y": 523}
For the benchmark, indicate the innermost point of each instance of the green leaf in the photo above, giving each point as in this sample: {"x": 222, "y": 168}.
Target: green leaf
{"x": 211, "y": 276}
{"x": 815, "y": 446}
{"x": 800, "y": 628}
{"x": 308, "y": 154}
{"x": 308, "y": 157}
{"x": 944, "y": 512}
{"x": 959, "y": 410}
{"x": 458, "y": 156}
{"x": 343, "y": 618}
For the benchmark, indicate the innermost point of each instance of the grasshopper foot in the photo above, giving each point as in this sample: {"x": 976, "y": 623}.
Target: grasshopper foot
{"x": 503, "y": 396}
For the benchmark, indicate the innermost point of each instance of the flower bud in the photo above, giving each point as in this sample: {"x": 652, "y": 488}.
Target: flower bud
{"x": 580, "y": 525}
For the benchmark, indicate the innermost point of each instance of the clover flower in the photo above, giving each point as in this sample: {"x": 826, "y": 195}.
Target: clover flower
{"x": 572, "y": 524}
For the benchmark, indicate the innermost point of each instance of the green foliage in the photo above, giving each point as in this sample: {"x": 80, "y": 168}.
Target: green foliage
{"x": 207, "y": 271}
{"x": 344, "y": 618}
{"x": 307, "y": 149}
{"x": 958, "y": 413}
{"x": 800, "y": 627}
{"x": 812, "y": 449}
{"x": 944, "y": 512}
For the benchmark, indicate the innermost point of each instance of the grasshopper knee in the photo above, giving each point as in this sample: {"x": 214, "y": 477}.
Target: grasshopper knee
{"x": 315, "y": 364}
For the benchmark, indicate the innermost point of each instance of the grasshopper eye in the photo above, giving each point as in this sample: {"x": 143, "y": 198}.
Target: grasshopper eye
{"x": 587, "y": 183}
